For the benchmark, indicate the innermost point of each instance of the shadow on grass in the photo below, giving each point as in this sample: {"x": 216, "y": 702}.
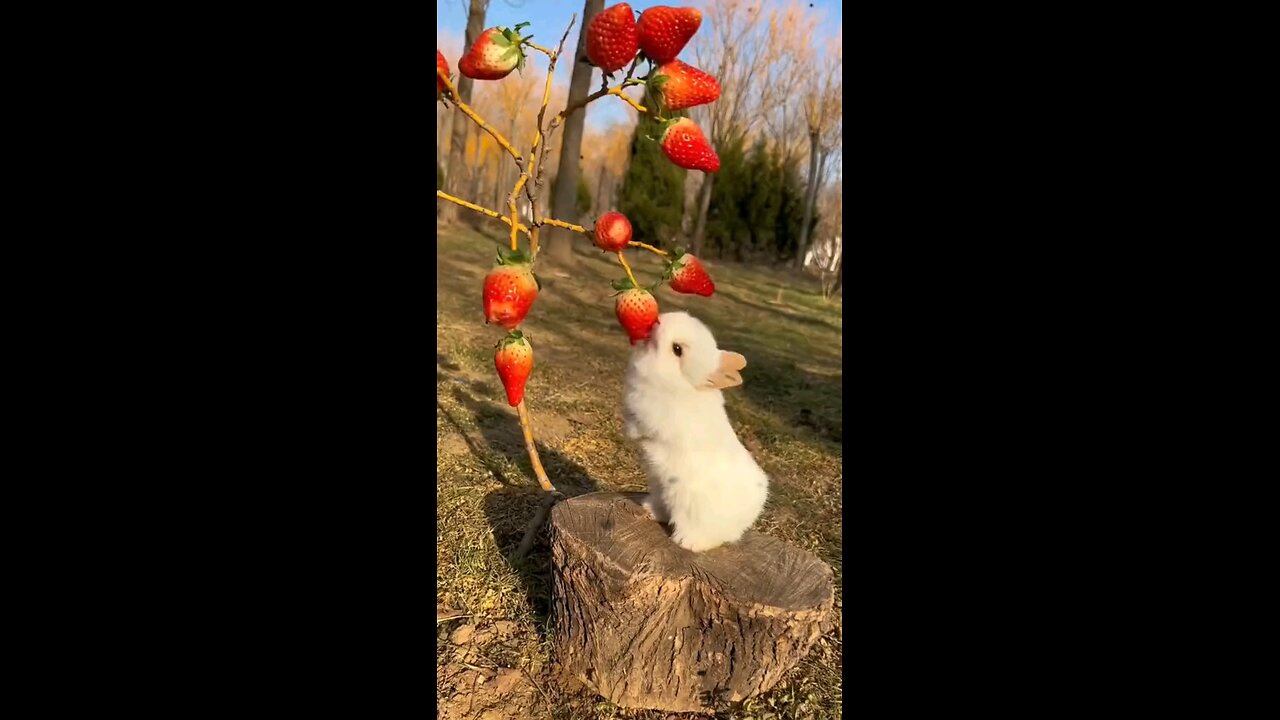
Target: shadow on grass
{"x": 802, "y": 404}
{"x": 510, "y": 509}
{"x": 799, "y": 315}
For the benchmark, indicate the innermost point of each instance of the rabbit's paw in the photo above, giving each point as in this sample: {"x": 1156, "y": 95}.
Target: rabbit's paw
{"x": 630, "y": 427}
{"x": 654, "y": 507}
{"x": 694, "y": 542}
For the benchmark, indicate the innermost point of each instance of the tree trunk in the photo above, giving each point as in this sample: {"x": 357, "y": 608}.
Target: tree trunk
{"x": 648, "y": 624}
{"x": 810, "y": 198}
{"x": 454, "y": 179}
{"x": 839, "y": 274}
{"x": 704, "y": 206}
{"x": 558, "y": 243}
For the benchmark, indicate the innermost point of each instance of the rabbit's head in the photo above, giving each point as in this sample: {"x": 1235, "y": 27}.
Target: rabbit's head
{"x": 681, "y": 355}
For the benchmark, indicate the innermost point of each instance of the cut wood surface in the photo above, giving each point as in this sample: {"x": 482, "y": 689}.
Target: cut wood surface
{"x": 648, "y": 624}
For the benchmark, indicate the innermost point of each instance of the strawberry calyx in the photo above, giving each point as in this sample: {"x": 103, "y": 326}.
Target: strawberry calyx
{"x": 513, "y": 257}
{"x": 515, "y": 336}
{"x": 622, "y": 285}
{"x": 512, "y": 40}
{"x": 653, "y": 90}
{"x": 665, "y": 126}
{"x": 674, "y": 265}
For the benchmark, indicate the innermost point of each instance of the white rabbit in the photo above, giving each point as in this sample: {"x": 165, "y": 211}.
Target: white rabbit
{"x": 701, "y": 479}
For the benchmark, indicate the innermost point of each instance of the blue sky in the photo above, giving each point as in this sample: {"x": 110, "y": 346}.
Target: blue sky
{"x": 549, "y": 18}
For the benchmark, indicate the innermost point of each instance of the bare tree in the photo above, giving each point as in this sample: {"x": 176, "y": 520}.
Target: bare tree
{"x": 564, "y": 200}
{"x": 455, "y": 169}
{"x": 822, "y": 108}
{"x": 789, "y": 50}
{"x": 732, "y": 51}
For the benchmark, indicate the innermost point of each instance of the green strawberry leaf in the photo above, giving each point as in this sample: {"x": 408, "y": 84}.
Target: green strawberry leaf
{"x": 512, "y": 257}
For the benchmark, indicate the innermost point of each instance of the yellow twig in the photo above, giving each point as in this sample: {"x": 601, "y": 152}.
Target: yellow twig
{"x": 565, "y": 225}
{"x": 571, "y": 109}
{"x": 527, "y": 429}
{"x": 650, "y": 248}
{"x": 470, "y": 206}
{"x": 546, "y": 98}
{"x": 618, "y": 91}
{"x": 479, "y": 120}
{"x": 534, "y": 172}
{"x": 627, "y": 267}
{"x": 515, "y": 218}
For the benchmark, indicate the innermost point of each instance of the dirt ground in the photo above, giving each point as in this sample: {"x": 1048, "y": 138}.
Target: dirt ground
{"x": 493, "y": 658}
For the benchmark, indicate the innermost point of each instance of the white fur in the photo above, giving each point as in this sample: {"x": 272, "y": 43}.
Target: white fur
{"x": 701, "y": 479}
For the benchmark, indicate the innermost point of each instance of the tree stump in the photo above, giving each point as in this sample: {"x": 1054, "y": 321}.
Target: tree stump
{"x": 648, "y": 624}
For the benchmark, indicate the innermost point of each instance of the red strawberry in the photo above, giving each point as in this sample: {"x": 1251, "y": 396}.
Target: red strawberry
{"x": 494, "y": 54}
{"x": 688, "y": 276}
{"x": 611, "y": 38}
{"x": 679, "y": 86}
{"x": 664, "y": 31}
{"x": 442, "y": 66}
{"x": 513, "y": 357}
{"x": 686, "y": 146}
{"x": 612, "y": 232}
{"x": 509, "y": 290}
{"x": 637, "y": 311}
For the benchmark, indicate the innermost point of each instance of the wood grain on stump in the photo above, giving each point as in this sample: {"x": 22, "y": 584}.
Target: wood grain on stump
{"x": 648, "y": 624}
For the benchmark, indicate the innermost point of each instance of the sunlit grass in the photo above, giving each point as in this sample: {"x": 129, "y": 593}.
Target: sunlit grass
{"x": 788, "y": 412}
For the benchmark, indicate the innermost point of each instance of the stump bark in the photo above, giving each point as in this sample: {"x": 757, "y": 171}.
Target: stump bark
{"x": 648, "y": 624}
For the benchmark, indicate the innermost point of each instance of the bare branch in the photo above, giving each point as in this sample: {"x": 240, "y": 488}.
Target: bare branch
{"x": 538, "y": 161}
{"x": 472, "y": 206}
{"x": 453, "y": 95}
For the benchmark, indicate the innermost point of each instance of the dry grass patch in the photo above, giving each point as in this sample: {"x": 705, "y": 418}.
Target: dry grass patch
{"x": 495, "y": 662}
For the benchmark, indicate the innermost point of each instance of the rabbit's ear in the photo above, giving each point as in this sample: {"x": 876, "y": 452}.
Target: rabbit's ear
{"x": 726, "y": 375}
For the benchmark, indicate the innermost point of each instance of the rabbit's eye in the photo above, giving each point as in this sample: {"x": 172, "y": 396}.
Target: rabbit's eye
{"x": 675, "y": 348}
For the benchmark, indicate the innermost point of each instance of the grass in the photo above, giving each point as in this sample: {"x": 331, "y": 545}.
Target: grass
{"x": 788, "y": 412}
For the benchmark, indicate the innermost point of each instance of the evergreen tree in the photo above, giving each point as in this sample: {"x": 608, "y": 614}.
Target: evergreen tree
{"x": 652, "y": 194}
{"x": 726, "y": 224}
{"x": 756, "y": 205}
{"x": 761, "y": 209}
{"x": 790, "y": 214}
